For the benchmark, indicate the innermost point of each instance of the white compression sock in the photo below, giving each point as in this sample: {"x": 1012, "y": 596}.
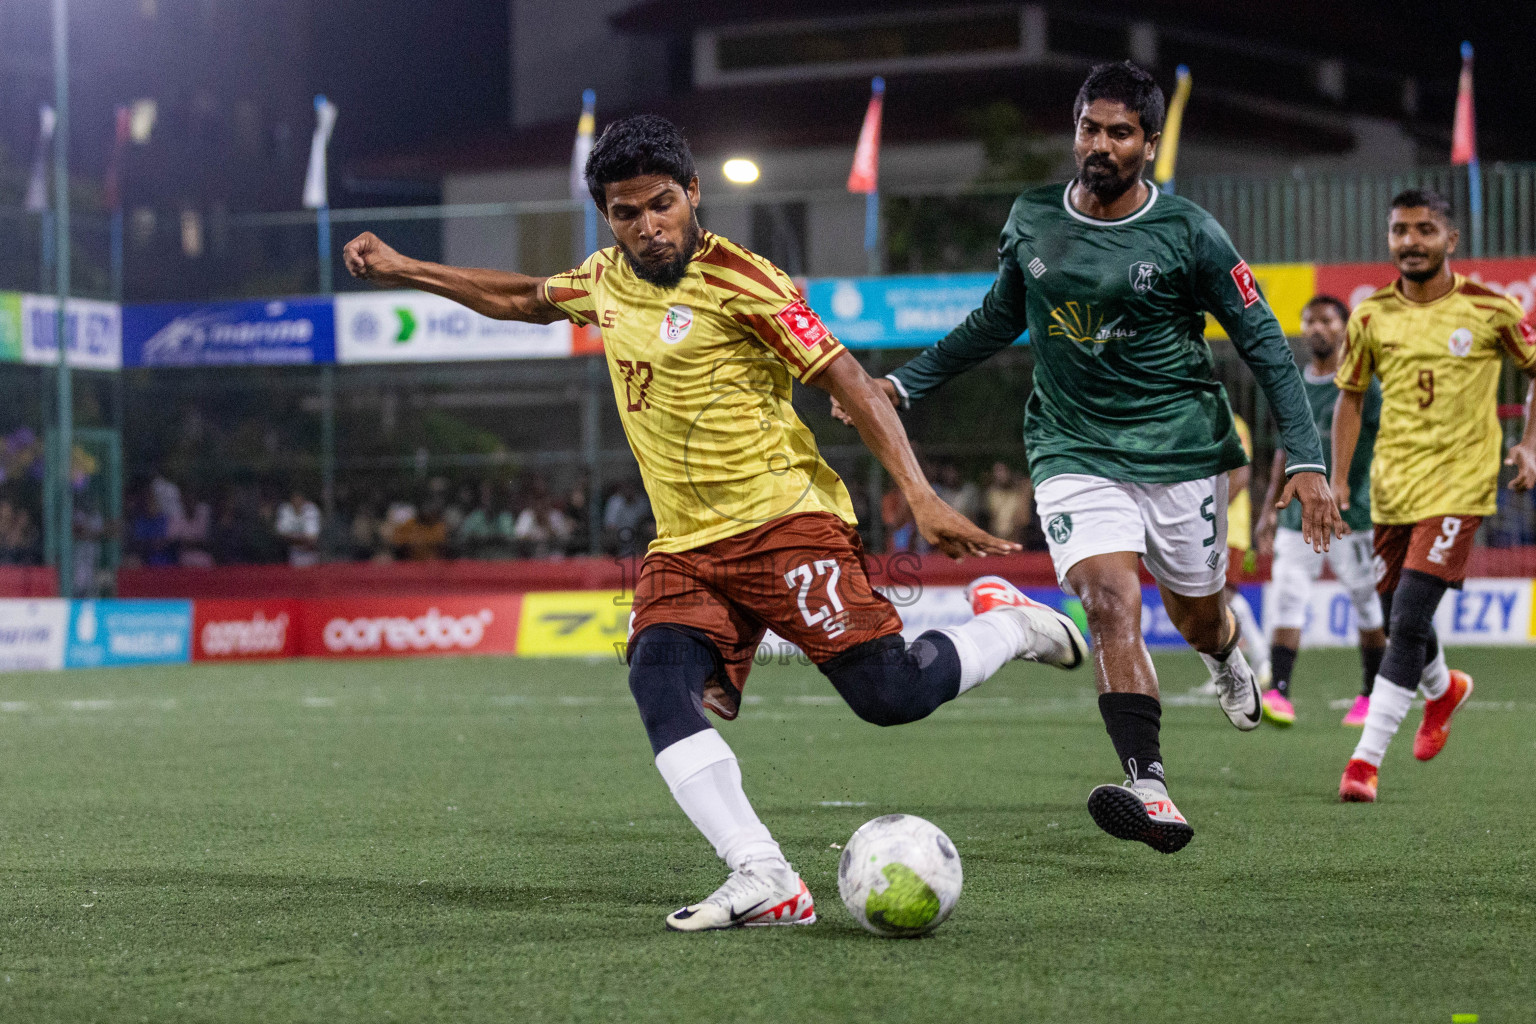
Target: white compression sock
{"x": 705, "y": 781}
{"x": 1389, "y": 706}
{"x": 1436, "y": 676}
{"x": 1250, "y": 637}
{"x": 986, "y": 644}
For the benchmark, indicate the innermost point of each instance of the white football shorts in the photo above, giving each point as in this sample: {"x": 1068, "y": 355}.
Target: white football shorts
{"x": 1179, "y": 529}
{"x": 1297, "y": 567}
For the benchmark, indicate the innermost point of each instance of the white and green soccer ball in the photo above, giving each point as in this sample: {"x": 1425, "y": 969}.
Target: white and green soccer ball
{"x": 899, "y": 876}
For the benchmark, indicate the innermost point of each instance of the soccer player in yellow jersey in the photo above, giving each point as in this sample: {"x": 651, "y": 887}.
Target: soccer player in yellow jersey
{"x": 754, "y": 529}
{"x": 1437, "y": 341}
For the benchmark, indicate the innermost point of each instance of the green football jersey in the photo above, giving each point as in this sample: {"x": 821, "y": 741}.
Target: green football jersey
{"x": 1123, "y": 385}
{"x": 1322, "y": 394}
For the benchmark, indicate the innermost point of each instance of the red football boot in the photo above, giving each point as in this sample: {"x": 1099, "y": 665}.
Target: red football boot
{"x": 1436, "y": 727}
{"x": 1358, "y": 786}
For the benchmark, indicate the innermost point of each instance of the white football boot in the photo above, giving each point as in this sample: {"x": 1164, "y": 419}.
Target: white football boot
{"x": 1237, "y": 691}
{"x": 1050, "y": 637}
{"x": 754, "y": 895}
{"x": 1142, "y": 814}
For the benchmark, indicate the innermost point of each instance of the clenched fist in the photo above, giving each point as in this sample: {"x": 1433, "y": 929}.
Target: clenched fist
{"x": 368, "y": 258}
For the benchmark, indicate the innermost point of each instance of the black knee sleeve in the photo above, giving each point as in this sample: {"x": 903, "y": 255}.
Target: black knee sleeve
{"x": 888, "y": 683}
{"x": 667, "y": 672}
{"x": 1411, "y": 631}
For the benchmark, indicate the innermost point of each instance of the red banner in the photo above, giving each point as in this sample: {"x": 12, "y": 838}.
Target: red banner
{"x": 1353, "y": 282}
{"x": 409, "y": 625}
{"x": 243, "y": 630}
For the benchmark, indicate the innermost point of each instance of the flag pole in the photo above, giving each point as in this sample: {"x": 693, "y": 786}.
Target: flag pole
{"x": 1474, "y": 170}
{"x": 584, "y": 129}
{"x": 1168, "y": 152}
{"x": 865, "y": 175}
{"x": 65, "y": 444}
{"x": 317, "y": 195}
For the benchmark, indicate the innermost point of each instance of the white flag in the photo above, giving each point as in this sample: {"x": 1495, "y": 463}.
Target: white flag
{"x": 315, "y": 192}
{"x": 583, "y": 147}
{"x": 37, "y": 187}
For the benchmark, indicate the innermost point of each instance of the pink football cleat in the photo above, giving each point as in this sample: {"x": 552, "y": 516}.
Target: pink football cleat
{"x": 1355, "y": 719}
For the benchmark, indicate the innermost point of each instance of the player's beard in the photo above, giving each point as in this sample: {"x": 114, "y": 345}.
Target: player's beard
{"x": 1320, "y": 345}
{"x": 668, "y": 274}
{"x": 1428, "y": 273}
{"x": 1098, "y": 175}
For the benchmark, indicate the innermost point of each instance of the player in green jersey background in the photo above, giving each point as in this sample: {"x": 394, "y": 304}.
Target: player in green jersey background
{"x": 1130, "y": 438}
{"x": 1296, "y": 566}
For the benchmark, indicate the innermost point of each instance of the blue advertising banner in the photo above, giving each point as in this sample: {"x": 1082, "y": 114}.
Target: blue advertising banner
{"x": 128, "y": 633}
{"x": 896, "y": 312}
{"x": 261, "y": 333}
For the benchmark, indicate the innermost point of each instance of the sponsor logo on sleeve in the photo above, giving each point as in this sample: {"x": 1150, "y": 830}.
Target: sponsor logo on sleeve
{"x": 1247, "y": 287}
{"x": 1528, "y": 331}
{"x": 805, "y": 325}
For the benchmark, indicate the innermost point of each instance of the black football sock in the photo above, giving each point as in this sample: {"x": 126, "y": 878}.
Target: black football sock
{"x": 1412, "y": 631}
{"x": 1370, "y": 667}
{"x": 1282, "y": 662}
{"x": 1133, "y": 721}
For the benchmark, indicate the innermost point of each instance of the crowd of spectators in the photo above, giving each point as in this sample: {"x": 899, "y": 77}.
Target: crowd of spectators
{"x": 248, "y": 524}
{"x": 1001, "y": 501}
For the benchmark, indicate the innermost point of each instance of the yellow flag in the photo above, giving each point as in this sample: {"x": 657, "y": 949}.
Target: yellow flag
{"x": 1168, "y": 152}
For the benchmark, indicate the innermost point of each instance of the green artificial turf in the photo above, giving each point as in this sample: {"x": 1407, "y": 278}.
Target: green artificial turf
{"x": 486, "y": 839}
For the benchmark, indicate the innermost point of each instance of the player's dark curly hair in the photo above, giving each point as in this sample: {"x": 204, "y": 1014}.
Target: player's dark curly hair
{"x": 1426, "y": 197}
{"x": 1123, "y": 83}
{"x": 1332, "y": 301}
{"x": 636, "y": 145}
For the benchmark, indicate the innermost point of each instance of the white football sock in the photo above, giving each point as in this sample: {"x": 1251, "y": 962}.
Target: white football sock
{"x": 705, "y": 780}
{"x": 1389, "y": 706}
{"x": 985, "y": 644}
{"x": 1436, "y": 677}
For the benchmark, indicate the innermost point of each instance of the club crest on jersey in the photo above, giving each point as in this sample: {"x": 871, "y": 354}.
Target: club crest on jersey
{"x": 1060, "y": 528}
{"x": 1461, "y": 342}
{"x": 804, "y": 324}
{"x": 1144, "y": 276}
{"x": 676, "y": 324}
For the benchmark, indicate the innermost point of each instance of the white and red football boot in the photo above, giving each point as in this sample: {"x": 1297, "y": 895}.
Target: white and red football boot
{"x": 1140, "y": 813}
{"x": 755, "y": 895}
{"x": 1050, "y": 637}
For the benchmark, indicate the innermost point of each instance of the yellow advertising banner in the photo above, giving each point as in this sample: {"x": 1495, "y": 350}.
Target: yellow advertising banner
{"x": 1287, "y": 286}
{"x": 561, "y": 623}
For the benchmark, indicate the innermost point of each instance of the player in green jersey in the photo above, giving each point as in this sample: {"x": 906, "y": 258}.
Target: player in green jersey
{"x": 1130, "y": 438}
{"x": 1296, "y": 566}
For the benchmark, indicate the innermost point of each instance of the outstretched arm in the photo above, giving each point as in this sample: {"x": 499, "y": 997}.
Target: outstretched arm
{"x": 1226, "y": 288}
{"x": 498, "y": 294}
{"x": 867, "y": 406}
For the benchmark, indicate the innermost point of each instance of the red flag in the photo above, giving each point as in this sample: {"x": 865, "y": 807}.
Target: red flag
{"x": 115, "y": 162}
{"x": 865, "y": 176}
{"x": 1464, "y": 133}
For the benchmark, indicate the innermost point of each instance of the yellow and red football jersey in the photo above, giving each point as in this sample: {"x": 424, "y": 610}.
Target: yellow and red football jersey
{"x": 702, "y": 377}
{"x": 1440, "y": 445}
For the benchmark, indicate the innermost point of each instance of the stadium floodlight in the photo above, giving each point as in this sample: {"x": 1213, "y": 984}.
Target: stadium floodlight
{"x": 740, "y": 171}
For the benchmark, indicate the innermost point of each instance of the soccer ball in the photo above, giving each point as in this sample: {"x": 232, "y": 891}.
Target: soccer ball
{"x": 899, "y": 876}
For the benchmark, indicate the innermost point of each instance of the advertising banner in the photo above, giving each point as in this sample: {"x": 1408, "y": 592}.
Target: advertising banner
{"x": 93, "y": 332}
{"x": 103, "y": 633}
{"x": 1353, "y": 282}
{"x": 1493, "y": 612}
{"x": 10, "y": 327}
{"x": 245, "y": 630}
{"x": 262, "y": 333}
{"x": 414, "y": 327}
{"x": 574, "y": 622}
{"x": 32, "y": 634}
{"x": 361, "y": 627}
{"x": 895, "y": 312}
